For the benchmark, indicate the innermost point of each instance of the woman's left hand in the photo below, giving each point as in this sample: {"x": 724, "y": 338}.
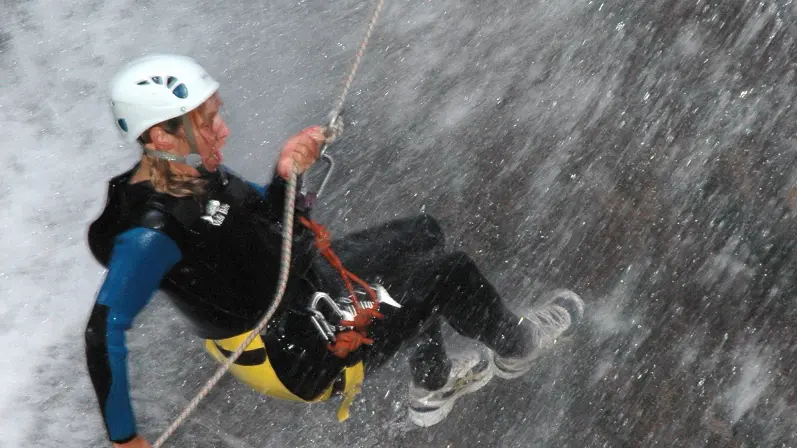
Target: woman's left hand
{"x": 302, "y": 150}
{"x": 138, "y": 442}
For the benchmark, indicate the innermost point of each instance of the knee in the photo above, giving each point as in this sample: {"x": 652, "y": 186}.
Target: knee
{"x": 459, "y": 269}
{"x": 459, "y": 261}
{"x": 426, "y": 226}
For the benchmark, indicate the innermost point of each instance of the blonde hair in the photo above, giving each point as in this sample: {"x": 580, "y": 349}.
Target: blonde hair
{"x": 164, "y": 180}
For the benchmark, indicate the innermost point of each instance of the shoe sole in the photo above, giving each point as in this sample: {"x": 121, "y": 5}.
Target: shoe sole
{"x": 574, "y": 307}
{"x": 507, "y": 375}
{"x": 430, "y": 417}
{"x": 576, "y": 314}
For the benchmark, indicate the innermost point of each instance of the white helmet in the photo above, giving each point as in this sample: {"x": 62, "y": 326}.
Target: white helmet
{"x": 156, "y": 88}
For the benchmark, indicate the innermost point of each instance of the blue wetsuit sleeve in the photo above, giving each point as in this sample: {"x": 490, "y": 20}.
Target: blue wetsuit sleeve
{"x": 139, "y": 261}
{"x": 261, "y": 189}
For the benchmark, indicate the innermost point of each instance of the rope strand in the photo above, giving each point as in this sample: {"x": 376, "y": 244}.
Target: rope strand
{"x": 338, "y": 110}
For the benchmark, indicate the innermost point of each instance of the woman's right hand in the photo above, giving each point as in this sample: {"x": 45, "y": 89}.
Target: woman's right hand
{"x": 301, "y": 150}
{"x": 138, "y": 442}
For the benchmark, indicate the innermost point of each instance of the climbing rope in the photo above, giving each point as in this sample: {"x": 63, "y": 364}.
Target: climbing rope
{"x": 333, "y": 130}
{"x": 335, "y": 123}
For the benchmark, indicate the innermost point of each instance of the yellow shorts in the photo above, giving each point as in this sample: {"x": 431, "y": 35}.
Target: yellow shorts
{"x": 262, "y": 378}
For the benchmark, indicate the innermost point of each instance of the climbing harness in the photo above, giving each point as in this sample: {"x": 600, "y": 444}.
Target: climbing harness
{"x": 346, "y": 332}
{"x": 332, "y": 131}
{"x": 347, "y": 340}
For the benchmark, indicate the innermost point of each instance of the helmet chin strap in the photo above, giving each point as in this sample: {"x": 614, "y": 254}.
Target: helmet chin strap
{"x": 193, "y": 158}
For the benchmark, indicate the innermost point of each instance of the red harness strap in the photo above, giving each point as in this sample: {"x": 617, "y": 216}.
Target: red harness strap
{"x": 349, "y": 340}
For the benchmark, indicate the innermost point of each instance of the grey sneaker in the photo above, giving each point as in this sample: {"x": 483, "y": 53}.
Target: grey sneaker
{"x": 470, "y": 372}
{"x": 551, "y": 322}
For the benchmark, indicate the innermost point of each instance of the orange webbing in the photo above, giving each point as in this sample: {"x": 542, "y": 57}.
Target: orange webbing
{"x": 350, "y": 340}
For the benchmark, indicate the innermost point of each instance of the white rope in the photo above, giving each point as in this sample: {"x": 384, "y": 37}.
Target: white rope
{"x": 334, "y": 130}
{"x": 357, "y": 59}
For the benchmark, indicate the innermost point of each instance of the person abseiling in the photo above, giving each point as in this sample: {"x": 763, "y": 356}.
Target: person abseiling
{"x": 181, "y": 222}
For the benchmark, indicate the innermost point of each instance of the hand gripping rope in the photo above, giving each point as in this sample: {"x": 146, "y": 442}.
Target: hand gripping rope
{"x": 333, "y": 130}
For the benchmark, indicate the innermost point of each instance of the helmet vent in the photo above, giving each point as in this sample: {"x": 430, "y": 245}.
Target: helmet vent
{"x": 181, "y": 91}
{"x": 122, "y": 124}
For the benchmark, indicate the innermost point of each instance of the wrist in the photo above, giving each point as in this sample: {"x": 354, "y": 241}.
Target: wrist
{"x": 133, "y": 441}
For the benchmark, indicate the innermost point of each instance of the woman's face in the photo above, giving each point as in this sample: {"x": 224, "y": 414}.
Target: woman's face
{"x": 210, "y": 131}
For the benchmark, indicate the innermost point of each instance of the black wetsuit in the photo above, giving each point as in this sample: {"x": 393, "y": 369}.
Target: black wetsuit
{"x": 221, "y": 256}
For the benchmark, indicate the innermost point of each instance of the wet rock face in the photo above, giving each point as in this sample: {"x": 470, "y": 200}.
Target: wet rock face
{"x": 639, "y": 153}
